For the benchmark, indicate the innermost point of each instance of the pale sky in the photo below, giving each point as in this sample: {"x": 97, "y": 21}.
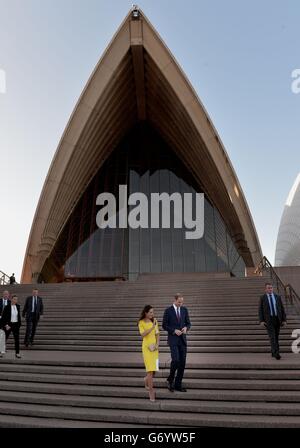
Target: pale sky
{"x": 239, "y": 57}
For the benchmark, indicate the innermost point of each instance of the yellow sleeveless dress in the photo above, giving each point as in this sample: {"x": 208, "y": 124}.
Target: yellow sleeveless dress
{"x": 151, "y": 359}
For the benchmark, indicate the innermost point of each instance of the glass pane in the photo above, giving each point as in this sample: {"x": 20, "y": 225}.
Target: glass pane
{"x": 144, "y": 162}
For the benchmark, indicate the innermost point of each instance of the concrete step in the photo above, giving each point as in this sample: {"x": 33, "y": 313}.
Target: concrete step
{"x": 139, "y": 373}
{"x": 133, "y": 336}
{"x": 79, "y": 414}
{"x": 162, "y": 393}
{"x": 164, "y": 418}
{"x": 136, "y": 344}
{"x": 142, "y": 404}
{"x": 123, "y": 349}
{"x": 104, "y": 325}
{"x": 200, "y": 331}
{"x": 192, "y": 383}
{"x": 15, "y": 421}
{"x": 218, "y": 361}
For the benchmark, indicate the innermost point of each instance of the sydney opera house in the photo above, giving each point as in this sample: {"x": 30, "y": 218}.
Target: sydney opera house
{"x": 139, "y": 127}
{"x": 288, "y": 240}
{"x": 138, "y": 123}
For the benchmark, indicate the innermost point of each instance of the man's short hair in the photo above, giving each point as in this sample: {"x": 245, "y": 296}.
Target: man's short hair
{"x": 14, "y": 295}
{"x": 268, "y": 284}
{"x": 178, "y": 296}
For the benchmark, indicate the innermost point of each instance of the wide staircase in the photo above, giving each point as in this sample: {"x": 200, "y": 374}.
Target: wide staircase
{"x": 86, "y": 369}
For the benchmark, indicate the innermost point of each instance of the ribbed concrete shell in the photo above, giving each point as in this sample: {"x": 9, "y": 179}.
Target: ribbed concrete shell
{"x": 288, "y": 240}
{"x": 137, "y": 79}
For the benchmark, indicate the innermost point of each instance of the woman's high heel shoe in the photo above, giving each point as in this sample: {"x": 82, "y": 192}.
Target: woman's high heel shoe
{"x": 152, "y": 395}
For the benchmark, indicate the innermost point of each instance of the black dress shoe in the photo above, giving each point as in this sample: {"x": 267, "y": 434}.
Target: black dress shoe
{"x": 180, "y": 389}
{"x": 278, "y": 356}
{"x": 170, "y": 386}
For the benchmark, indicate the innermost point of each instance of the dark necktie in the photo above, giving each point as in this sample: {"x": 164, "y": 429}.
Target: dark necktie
{"x": 272, "y": 306}
{"x": 178, "y": 315}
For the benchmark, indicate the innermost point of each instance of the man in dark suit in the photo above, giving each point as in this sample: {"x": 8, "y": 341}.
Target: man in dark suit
{"x": 12, "y": 279}
{"x": 4, "y": 301}
{"x": 33, "y": 310}
{"x": 176, "y": 322}
{"x": 11, "y": 322}
{"x": 272, "y": 316}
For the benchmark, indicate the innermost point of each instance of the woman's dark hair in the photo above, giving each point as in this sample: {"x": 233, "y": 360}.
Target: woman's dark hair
{"x": 146, "y": 310}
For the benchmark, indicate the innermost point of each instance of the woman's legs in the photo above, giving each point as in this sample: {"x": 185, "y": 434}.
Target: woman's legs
{"x": 146, "y": 382}
{"x": 150, "y": 384}
{"x": 15, "y": 330}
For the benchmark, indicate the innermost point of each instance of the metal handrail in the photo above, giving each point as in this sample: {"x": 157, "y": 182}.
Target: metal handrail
{"x": 283, "y": 289}
{"x": 265, "y": 265}
{"x": 293, "y": 297}
{"x": 4, "y": 278}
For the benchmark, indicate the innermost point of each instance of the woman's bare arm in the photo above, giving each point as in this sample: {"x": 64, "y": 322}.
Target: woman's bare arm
{"x": 146, "y": 332}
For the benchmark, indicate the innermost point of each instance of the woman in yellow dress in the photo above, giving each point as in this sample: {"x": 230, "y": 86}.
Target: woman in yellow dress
{"x": 149, "y": 331}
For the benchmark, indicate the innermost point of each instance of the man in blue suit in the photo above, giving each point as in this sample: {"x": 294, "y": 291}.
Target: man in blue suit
{"x": 176, "y": 322}
{"x": 272, "y": 316}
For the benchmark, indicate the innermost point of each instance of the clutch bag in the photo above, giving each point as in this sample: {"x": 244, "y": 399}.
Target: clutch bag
{"x": 152, "y": 347}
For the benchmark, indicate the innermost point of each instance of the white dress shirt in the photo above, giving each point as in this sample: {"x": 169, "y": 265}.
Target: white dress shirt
{"x": 34, "y": 304}
{"x": 14, "y": 314}
{"x": 177, "y": 308}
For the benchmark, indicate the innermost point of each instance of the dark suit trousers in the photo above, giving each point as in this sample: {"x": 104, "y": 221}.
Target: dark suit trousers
{"x": 178, "y": 354}
{"x": 15, "y": 329}
{"x": 273, "y": 329}
{"x": 31, "y": 324}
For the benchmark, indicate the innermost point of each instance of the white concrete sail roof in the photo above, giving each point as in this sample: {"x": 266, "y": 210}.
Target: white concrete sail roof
{"x": 137, "y": 79}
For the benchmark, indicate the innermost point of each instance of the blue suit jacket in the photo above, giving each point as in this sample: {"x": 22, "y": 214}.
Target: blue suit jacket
{"x": 170, "y": 324}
